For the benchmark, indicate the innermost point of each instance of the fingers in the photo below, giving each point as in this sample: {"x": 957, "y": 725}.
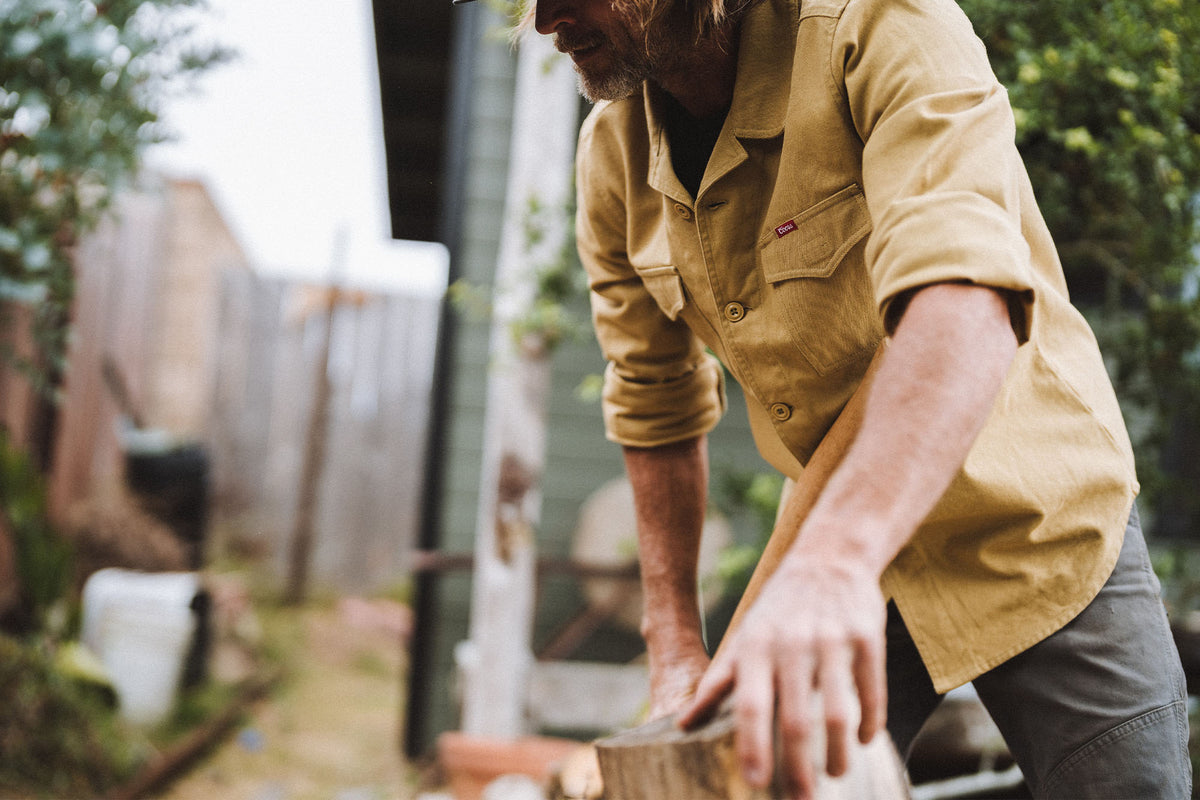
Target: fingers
{"x": 837, "y": 700}
{"x": 672, "y": 688}
{"x": 773, "y": 674}
{"x": 839, "y": 670}
{"x": 796, "y": 729}
{"x": 754, "y": 717}
{"x": 870, "y": 678}
{"x": 715, "y": 684}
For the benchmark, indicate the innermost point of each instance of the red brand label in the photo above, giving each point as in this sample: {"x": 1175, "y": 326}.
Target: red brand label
{"x": 785, "y": 228}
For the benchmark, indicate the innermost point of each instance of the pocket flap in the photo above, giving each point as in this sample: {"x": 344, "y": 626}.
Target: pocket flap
{"x": 666, "y": 287}
{"x": 813, "y": 243}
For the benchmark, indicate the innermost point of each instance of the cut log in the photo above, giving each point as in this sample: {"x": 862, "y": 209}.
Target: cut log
{"x": 657, "y": 760}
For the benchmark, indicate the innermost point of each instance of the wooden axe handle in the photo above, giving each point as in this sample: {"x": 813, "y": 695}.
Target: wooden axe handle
{"x": 798, "y": 502}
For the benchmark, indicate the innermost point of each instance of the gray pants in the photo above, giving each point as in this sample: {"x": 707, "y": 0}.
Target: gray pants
{"x": 1096, "y": 710}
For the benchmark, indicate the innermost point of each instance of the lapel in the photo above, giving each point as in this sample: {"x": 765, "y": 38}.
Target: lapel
{"x": 766, "y": 48}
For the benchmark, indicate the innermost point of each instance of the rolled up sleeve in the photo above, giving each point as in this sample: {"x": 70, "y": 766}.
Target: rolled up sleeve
{"x": 942, "y": 176}
{"x": 660, "y": 385}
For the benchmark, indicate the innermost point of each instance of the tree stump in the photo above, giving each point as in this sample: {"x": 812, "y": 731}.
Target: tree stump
{"x": 657, "y": 760}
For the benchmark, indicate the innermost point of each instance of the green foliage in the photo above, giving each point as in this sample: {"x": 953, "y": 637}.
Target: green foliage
{"x": 43, "y": 558}
{"x": 1108, "y": 122}
{"x": 1108, "y": 127}
{"x": 81, "y": 84}
{"x": 513, "y": 13}
{"x": 751, "y": 500}
{"x": 57, "y": 737}
{"x": 559, "y": 281}
{"x": 559, "y": 285}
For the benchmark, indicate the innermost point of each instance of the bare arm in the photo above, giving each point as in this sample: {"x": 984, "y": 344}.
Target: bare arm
{"x": 670, "y": 488}
{"x": 820, "y": 618}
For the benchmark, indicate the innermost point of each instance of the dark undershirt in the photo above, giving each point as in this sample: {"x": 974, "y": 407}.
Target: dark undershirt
{"x": 692, "y": 142}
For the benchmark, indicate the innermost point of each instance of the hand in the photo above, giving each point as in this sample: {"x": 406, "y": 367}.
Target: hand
{"x": 815, "y": 626}
{"x": 673, "y": 681}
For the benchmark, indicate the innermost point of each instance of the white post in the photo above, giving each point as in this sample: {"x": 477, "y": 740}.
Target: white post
{"x": 495, "y": 663}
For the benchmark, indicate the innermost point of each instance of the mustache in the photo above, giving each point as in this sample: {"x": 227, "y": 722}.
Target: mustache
{"x": 570, "y": 42}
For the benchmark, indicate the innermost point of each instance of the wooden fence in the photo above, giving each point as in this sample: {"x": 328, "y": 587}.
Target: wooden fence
{"x": 116, "y": 271}
{"x": 215, "y": 353}
{"x": 379, "y": 370}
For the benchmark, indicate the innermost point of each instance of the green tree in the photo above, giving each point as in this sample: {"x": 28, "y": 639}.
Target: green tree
{"x": 81, "y": 86}
{"x": 1108, "y": 122}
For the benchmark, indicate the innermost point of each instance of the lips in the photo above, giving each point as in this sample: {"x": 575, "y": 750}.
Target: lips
{"x": 583, "y": 53}
{"x": 578, "y": 48}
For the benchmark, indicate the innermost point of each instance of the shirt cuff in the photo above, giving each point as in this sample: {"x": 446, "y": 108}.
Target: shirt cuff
{"x": 941, "y": 242}
{"x": 650, "y": 414}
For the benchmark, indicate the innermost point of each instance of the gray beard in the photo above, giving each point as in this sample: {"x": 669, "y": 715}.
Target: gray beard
{"x": 623, "y": 80}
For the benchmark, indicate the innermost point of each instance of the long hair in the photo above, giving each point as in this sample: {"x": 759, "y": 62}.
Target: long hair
{"x": 707, "y": 15}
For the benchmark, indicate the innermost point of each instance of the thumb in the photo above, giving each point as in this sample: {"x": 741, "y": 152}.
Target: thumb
{"x": 716, "y": 683}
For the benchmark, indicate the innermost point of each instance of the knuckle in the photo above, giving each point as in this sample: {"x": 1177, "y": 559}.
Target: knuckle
{"x": 868, "y": 643}
{"x": 795, "y": 727}
{"x": 747, "y": 712}
{"x": 757, "y": 641}
{"x": 798, "y": 641}
{"x": 837, "y": 723}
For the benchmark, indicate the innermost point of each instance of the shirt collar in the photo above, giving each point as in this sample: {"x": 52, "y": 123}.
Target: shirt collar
{"x": 766, "y": 48}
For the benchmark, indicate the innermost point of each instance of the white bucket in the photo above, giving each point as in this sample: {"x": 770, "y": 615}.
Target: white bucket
{"x": 140, "y": 625}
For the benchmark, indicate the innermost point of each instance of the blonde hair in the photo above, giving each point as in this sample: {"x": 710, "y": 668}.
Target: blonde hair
{"x": 707, "y": 15}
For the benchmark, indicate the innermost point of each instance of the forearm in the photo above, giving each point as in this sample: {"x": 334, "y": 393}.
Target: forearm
{"x": 934, "y": 391}
{"x": 670, "y": 488}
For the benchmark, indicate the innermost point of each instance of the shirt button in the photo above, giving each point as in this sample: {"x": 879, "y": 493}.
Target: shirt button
{"x": 735, "y": 312}
{"x": 683, "y": 211}
{"x": 782, "y": 412}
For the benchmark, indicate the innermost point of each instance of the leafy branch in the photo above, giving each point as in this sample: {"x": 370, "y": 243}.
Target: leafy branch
{"x": 81, "y": 87}
{"x": 559, "y": 284}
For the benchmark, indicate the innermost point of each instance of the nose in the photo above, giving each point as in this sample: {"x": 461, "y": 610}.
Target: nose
{"x": 549, "y": 14}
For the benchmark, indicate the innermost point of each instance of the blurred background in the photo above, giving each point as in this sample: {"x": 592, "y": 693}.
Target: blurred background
{"x": 297, "y": 388}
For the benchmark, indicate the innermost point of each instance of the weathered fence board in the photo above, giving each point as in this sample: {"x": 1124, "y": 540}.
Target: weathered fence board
{"x": 380, "y": 368}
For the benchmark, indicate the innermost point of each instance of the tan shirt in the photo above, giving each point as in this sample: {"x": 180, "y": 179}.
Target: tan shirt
{"x": 869, "y": 150}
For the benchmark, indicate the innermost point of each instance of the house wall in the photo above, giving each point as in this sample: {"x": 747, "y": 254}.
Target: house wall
{"x": 487, "y": 125}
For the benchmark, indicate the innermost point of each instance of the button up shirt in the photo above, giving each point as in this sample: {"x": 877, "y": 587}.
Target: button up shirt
{"x": 868, "y": 151}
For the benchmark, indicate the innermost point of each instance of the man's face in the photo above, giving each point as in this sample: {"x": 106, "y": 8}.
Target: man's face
{"x": 612, "y": 51}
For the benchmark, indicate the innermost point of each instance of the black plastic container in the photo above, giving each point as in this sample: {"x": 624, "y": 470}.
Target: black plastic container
{"x": 172, "y": 486}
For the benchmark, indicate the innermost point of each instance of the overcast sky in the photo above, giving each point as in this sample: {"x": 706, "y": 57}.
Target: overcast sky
{"x": 289, "y": 141}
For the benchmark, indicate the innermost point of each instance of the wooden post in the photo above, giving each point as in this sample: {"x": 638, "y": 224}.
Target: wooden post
{"x": 496, "y": 661}
{"x": 657, "y": 760}
{"x": 316, "y": 440}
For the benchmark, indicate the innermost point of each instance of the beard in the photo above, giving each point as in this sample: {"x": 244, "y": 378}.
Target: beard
{"x": 621, "y": 62}
{"x": 614, "y": 71}
{"x": 620, "y": 81}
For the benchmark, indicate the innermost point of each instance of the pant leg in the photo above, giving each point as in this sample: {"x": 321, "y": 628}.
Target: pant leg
{"x": 1099, "y": 709}
{"x": 911, "y": 696}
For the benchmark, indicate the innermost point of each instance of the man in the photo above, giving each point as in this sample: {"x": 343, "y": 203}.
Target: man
{"x": 789, "y": 184}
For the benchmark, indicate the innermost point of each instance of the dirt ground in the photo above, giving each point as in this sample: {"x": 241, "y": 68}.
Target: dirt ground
{"x": 330, "y": 730}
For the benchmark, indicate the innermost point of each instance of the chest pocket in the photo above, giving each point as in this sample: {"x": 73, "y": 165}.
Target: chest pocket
{"x": 666, "y": 287}
{"x": 816, "y": 281}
